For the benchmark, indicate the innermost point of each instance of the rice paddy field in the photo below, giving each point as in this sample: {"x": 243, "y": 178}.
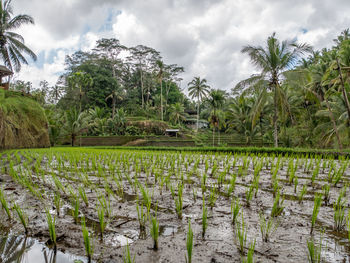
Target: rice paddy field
{"x": 105, "y": 205}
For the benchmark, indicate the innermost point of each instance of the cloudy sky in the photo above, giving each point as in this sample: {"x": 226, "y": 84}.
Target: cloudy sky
{"x": 204, "y": 36}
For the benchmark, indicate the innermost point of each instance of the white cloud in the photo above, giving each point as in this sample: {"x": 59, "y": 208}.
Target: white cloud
{"x": 203, "y": 36}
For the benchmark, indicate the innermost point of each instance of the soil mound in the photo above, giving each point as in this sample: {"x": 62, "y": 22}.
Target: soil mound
{"x": 23, "y": 123}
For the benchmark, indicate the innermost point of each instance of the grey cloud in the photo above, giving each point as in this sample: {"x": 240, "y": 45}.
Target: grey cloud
{"x": 204, "y": 36}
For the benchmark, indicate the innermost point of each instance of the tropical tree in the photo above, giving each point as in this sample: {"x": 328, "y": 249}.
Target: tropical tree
{"x": 273, "y": 61}
{"x": 55, "y": 93}
{"x": 12, "y": 47}
{"x": 80, "y": 80}
{"x": 198, "y": 89}
{"x": 119, "y": 121}
{"x": 216, "y": 101}
{"x": 177, "y": 113}
{"x": 75, "y": 123}
{"x": 114, "y": 95}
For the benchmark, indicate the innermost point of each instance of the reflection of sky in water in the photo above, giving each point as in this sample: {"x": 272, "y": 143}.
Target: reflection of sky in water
{"x": 33, "y": 251}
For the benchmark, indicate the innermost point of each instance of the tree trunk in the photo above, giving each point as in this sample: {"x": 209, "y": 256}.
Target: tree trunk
{"x": 331, "y": 116}
{"x": 141, "y": 78}
{"x": 213, "y": 135}
{"x": 72, "y": 139}
{"x": 218, "y": 136}
{"x": 275, "y": 118}
{"x": 161, "y": 98}
{"x": 113, "y": 106}
{"x": 80, "y": 96}
{"x": 344, "y": 92}
{"x": 198, "y": 113}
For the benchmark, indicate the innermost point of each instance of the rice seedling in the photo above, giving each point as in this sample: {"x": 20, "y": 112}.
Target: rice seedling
{"x": 87, "y": 240}
{"x": 339, "y": 214}
{"x": 194, "y": 194}
{"x": 75, "y": 210}
{"x": 204, "y": 219}
{"x": 249, "y": 194}
{"x": 102, "y": 220}
{"x": 295, "y": 184}
{"x": 277, "y": 207}
{"x": 232, "y": 185}
{"x": 189, "y": 243}
{"x": 83, "y": 196}
{"x": 204, "y": 183}
{"x": 51, "y": 222}
{"x": 256, "y": 185}
{"x": 57, "y": 203}
{"x": 315, "y": 174}
{"x": 314, "y": 251}
{"x": 142, "y": 215}
{"x": 127, "y": 255}
{"x": 241, "y": 235}
{"x": 267, "y": 227}
{"x": 4, "y": 204}
{"x": 179, "y": 200}
{"x": 326, "y": 195}
{"x": 317, "y": 205}
{"x": 212, "y": 197}
{"x": 106, "y": 204}
{"x": 22, "y": 217}
{"x": 154, "y": 229}
{"x": 348, "y": 224}
{"x": 302, "y": 193}
{"x": 235, "y": 208}
{"x": 250, "y": 254}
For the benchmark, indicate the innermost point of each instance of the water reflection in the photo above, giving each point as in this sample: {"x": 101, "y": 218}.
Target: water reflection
{"x": 21, "y": 249}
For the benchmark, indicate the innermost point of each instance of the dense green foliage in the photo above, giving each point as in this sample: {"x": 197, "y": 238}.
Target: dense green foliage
{"x": 298, "y": 99}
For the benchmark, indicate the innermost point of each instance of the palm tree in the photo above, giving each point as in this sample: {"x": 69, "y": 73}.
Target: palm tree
{"x": 119, "y": 121}
{"x": 12, "y": 44}
{"x": 114, "y": 95}
{"x": 216, "y": 101}
{"x": 273, "y": 61}
{"x": 55, "y": 93}
{"x": 75, "y": 123}
{"x": 177, "y": 113}
{"x": 199, "y": 89}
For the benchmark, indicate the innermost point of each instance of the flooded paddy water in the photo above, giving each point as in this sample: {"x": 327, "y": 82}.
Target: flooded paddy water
{"x": 118, "y": 192}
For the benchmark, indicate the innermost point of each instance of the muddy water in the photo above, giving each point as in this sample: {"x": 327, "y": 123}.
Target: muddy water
{"x": 286, "y": 244}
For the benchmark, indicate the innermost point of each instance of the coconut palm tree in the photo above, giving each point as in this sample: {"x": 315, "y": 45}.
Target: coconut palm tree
{"x": 114, "y": 95}
{"x": 198, "y": 89}
{"x": 12, "y": 45}
{"x": 177, "y": 113}
{"x": 75, "y": 123}
{"x": 55, "y": 93}
{"x": 216, "y": 101}
{"x": 273, "y": 61}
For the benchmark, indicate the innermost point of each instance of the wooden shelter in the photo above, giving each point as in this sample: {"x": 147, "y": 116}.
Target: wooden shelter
{"x": 5, "y": 72}
{"x": 171, "y": 132}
